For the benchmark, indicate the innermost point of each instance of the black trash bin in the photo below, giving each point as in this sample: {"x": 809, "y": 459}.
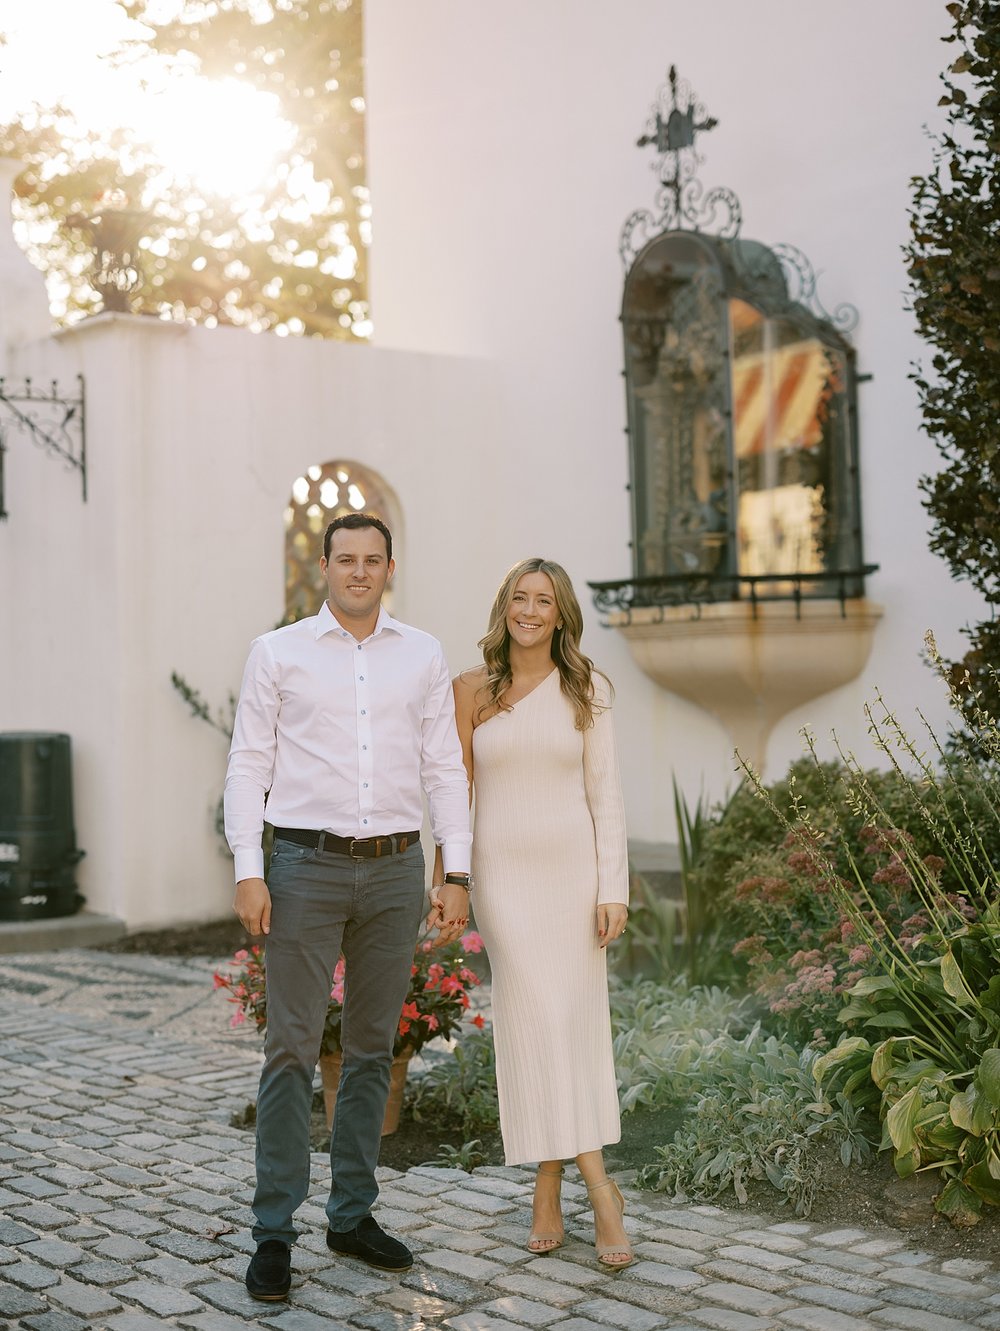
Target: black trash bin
{"x": 38, "y": 853}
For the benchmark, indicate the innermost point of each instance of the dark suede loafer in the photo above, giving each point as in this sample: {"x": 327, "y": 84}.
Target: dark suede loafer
{"x": 369, "y": 1241}
{"x": 269, "y": 1275}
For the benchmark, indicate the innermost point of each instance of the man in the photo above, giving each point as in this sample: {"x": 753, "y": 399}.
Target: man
{"x": 343, "y": 718}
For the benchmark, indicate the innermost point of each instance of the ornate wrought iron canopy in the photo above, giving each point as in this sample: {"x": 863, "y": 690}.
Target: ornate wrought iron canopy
{"x": 53, "y": 418}
{"x": 682, "y": 203}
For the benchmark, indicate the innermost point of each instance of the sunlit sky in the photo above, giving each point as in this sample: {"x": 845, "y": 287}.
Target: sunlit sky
{"x": 221, "y": 134}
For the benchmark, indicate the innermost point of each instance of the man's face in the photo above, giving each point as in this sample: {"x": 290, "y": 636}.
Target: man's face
{"x": 356, "y": 572}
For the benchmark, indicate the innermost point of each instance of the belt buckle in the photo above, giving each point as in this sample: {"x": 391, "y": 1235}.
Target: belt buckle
{"x": 354, "y": 854}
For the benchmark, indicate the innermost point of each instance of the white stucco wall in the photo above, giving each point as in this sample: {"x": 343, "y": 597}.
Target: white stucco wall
{"x": 176, "y": 562}
{"x": 502, "y": 165}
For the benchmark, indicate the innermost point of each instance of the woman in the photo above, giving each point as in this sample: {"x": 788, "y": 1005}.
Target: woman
{"x": 551, "y": 886}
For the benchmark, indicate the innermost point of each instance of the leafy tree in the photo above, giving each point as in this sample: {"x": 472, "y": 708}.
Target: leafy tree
{"x": 954, "y": 264}
{"x": 292, "y": 258}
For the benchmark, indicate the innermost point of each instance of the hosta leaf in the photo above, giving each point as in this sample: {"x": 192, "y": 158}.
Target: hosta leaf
{"x": 893, "y": 1020}
{"x": 856, "y": 1010}
{"x": 982, "y": 1182}
{"x": 847, "y": 1048}
{"x": 960, "y": 1108}
{"x": 908, "y": 1163}
{"x": 972, "y": 1112}
{"x": 946, "y": 1135}
{"x": 959, "y": 1204}
{"x": 883, "y": 1063}
{"x": 871, "y": 984}
{"x": 954, "y": 981}
{"x": 988, "y": 1076}
{"x": 901, "y": 1118}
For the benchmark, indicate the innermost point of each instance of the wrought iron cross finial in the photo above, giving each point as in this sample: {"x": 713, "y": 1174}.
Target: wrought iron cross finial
{"x": 674, "y": 132}
{"x": 675, "y": 121}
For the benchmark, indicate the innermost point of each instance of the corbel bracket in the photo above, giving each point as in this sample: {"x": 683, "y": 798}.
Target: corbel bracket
{"x": 53, "y": 418}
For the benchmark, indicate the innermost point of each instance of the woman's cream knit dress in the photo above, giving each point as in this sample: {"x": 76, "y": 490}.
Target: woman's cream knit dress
{"x": 549, "y": 845}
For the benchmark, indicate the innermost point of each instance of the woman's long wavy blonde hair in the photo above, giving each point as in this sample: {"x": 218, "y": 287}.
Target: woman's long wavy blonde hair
{"x": 576, "y": 671}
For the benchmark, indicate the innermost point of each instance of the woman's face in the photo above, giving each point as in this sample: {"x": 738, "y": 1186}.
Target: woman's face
{"x": 532, "y": 616}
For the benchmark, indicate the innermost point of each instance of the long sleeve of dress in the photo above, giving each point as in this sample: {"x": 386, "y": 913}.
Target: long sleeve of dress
{"x": 602, "y": 782}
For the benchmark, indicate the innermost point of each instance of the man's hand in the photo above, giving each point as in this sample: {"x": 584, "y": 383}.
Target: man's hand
{"x": 611, "y": 919}
{"x": 449, "y": 912}
{"x": 252, "y": 903}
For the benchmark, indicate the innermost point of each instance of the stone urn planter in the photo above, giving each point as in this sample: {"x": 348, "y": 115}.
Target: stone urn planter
{"x": 330, "y": 1068}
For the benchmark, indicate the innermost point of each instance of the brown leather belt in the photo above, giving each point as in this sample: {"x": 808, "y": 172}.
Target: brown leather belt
{"x": 359, "y": 848}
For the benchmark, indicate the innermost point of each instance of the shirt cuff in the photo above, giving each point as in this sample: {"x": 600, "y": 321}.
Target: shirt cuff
{"x": 457, "y": 857}
{"x": 249, "y": 863}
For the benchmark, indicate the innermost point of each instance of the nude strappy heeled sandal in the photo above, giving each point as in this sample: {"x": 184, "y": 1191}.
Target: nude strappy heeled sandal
{"x": 603, "y": 1253}
{"x": 553, "y": 1238}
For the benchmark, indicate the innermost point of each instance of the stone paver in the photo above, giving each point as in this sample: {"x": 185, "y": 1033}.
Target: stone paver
{"x": 124, "y": 1197}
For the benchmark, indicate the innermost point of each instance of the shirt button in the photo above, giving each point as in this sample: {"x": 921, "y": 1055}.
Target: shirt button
{"x": 365, "y": 784}
{"x": 364, "y": 746}
{"x": 365, "y": 821}
{"x": 359, "y": 646}
{"x": 361, "y": 678}
{"x": 363, "y": 712}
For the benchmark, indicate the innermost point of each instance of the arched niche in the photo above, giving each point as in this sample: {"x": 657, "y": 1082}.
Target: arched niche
{"x": 323, "y": 492}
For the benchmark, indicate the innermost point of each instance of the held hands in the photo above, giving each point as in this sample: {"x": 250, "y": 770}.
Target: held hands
{"x": 449, "y": 912}
{"x": 252, "y": 903}
{"x": 611, "y": 918}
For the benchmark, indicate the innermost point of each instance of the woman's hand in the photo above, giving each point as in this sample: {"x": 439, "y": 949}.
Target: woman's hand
{"x": 611, "y": 918}
{"x": 449, "y": 912}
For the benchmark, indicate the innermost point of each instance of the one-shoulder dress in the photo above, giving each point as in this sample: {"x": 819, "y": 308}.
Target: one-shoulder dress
{"x": 549, "y": 845}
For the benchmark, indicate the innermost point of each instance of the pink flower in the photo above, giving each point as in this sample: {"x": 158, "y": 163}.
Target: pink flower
{"x": 472, "y": 942}
{"x": 432, "y": 1021}
{"x": 451, "y": 984}
{"x": 859, "y": 954}
{"x": 241, "y": 955}
{"x": 470, "y": 977}
{"x": 238, "y": 1018}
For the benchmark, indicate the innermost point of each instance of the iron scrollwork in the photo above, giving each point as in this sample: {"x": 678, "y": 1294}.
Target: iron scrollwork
{"x": 54, "y": 419}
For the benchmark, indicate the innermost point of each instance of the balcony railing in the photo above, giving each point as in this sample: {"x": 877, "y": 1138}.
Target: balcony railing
{"x": 708, "y": 589}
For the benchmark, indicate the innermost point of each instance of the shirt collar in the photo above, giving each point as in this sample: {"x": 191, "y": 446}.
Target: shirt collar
{"x": 327, "y": 622}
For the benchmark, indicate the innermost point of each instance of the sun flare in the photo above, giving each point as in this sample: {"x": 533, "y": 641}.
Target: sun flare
{"x": 225, "y": 137}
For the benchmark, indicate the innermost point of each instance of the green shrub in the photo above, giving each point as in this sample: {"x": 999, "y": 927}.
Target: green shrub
{"x": 798, "y": 947}
{"x": 925, "y": 1021}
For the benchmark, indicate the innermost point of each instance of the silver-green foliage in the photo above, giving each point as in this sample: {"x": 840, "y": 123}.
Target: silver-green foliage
{"x": 754, "y": 1114}
{"x": 752, "y": 1108}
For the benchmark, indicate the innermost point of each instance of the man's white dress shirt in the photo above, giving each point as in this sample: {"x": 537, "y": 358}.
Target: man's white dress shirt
{"x": 341, "y": 736}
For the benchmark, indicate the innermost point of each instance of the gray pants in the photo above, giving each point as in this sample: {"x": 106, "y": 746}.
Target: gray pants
{"x": 323, "y": 904}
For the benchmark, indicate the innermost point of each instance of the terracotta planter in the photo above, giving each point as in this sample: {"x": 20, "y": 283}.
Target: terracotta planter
{"x": 329, "y": 1067}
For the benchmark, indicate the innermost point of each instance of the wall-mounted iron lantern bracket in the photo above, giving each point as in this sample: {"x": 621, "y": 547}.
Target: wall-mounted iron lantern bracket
{"x": 53, "y": 418}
